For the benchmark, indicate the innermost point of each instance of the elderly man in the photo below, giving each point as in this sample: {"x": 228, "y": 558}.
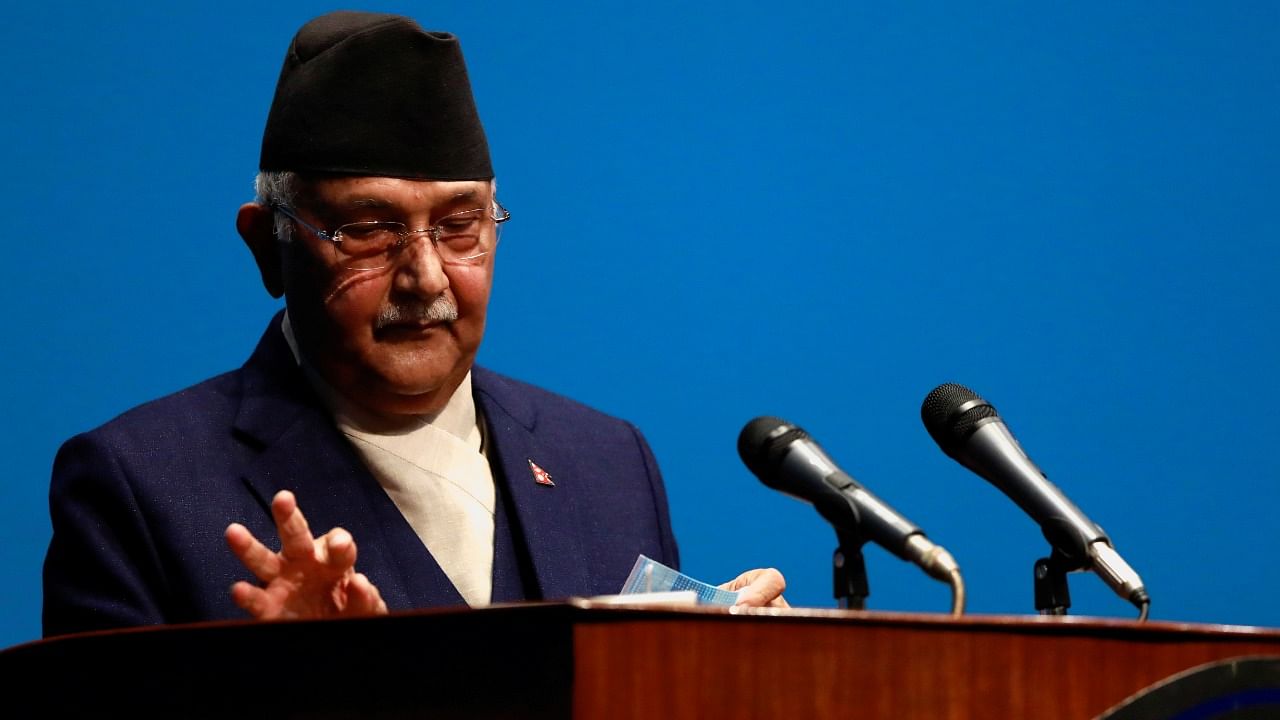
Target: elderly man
{"x": 377, "y": 221}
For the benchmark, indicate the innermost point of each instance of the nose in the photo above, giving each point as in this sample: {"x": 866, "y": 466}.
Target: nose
{"x": 418, "y": 267}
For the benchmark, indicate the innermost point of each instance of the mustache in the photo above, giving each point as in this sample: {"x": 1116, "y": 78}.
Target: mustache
{"x": 438, "y": 310}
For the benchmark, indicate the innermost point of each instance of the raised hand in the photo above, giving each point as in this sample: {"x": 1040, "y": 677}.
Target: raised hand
{"x": 309, "y": 578}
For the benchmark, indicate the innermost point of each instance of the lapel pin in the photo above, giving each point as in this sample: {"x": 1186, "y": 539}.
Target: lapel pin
{"x": 540, "y": 476}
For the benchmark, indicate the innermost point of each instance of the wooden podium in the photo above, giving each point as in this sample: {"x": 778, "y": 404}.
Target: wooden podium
{"x": 579, "y": 660}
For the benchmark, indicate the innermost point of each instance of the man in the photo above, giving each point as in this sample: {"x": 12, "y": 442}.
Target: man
{"x": 377, "y": 220}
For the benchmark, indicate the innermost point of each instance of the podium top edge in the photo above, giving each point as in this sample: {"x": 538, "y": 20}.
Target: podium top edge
{"x": 584, "y": 611}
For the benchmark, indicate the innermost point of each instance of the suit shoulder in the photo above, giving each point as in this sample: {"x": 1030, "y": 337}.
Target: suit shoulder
{"x": 530, "y": 402}
{"x": 213, "y": 400}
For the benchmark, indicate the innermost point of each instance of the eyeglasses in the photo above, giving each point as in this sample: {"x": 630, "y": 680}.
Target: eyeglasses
{"x": 459, "y": 238}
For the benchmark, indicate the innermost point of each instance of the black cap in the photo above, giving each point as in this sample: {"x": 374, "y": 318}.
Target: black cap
{"x": 374, "y": 94}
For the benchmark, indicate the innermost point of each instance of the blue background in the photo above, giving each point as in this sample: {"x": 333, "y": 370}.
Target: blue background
{"x": 813, "y": 210}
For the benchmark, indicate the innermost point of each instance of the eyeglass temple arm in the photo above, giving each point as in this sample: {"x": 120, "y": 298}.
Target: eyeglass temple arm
{"x": 289, "y": 213}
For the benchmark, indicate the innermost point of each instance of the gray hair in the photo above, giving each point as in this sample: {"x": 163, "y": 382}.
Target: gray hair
{"x": 277, "y": 187}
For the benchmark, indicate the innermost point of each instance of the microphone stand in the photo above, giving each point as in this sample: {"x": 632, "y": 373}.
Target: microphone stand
{"x": 849, "y": 571}
{"x": 1053, "y": 597}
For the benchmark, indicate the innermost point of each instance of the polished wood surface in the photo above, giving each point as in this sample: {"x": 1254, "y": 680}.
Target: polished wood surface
{"x": 875, "y": 665}
{"x": 584, "y": 661}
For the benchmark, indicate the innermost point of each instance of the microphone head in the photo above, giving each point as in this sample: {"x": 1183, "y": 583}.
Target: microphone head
{"x": 951, "y": 413}
{"x": 763, "y": 443}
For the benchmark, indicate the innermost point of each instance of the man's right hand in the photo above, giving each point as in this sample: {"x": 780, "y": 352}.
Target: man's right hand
{"x": 309, "y": 578}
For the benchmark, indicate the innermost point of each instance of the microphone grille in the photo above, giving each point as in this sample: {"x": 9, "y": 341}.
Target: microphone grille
{"x": 942, "y": 417}
{"x": 763, "y": 443}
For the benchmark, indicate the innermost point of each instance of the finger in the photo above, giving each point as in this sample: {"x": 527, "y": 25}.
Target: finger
{"x": 296, "y": 542}
{"x": 255, "y": 601}
{"x": 338, "y": 549}
{"x": 255, "y": 556}
{"x": 739, "y": 582}
{"x": 363, "y": 597}
{"x": 763, "y": 588}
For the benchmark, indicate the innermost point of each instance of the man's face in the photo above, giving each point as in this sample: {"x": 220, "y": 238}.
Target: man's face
{"x": 399, "y": 339}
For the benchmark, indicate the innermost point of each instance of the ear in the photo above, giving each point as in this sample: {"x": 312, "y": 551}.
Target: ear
{"x": 256, "y": 224}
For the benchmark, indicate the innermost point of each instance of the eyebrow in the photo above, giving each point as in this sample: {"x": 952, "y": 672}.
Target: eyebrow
{"x": 380, "y": 204}
{"x": 368, "y": 203}
{"x": 470, "y": 194}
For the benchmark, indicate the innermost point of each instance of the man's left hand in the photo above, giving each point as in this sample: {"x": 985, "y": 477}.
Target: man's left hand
{"x": 759, "y": 588}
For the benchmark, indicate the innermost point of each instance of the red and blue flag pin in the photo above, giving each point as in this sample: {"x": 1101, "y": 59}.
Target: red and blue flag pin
{"x": 540, "y": 476}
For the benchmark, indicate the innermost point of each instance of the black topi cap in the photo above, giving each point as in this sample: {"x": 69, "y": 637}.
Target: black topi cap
{"x": 373, "y": 94}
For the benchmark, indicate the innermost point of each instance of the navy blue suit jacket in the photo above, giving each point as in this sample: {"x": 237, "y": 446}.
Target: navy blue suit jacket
{"x": 140, "y": 504}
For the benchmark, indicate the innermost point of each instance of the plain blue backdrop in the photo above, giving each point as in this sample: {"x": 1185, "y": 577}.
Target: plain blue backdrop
{"x": 813, "y": 210}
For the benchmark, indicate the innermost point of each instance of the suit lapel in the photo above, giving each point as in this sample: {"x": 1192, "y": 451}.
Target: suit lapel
{"x": 303, "y": 451}
{"x": 547, "y": 516}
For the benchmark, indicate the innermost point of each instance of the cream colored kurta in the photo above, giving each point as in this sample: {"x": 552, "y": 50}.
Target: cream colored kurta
{"x": 435, "y": 471}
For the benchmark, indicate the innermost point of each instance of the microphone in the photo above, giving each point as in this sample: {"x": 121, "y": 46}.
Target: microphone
{"x": 786, "y": 459}
{"x": 969, "y": 430}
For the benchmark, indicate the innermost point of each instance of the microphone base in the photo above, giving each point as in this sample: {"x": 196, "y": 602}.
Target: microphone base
{"x": 1052, "y": 595}
{"x": 849, "y": 576}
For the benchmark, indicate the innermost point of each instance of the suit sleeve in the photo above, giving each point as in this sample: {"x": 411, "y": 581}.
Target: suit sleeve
{"x": 102, "y": 570}
{"x": 671, "y": 554}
